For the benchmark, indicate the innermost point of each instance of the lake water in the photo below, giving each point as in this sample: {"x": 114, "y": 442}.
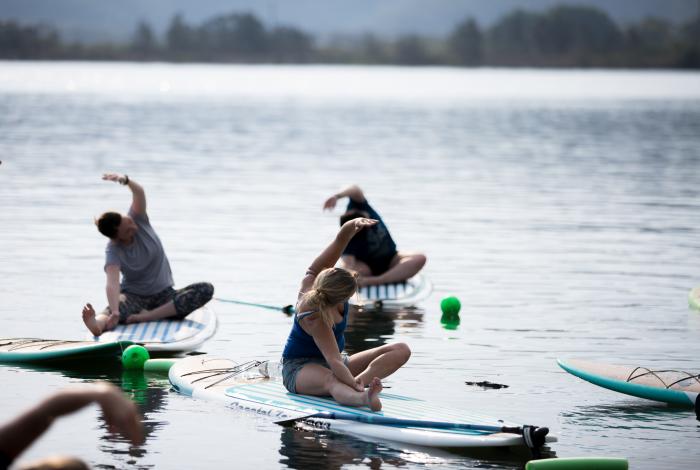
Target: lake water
{"x": 561, "y": 207}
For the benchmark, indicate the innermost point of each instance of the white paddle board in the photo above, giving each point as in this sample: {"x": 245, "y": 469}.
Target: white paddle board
{"x": 167, "y": 335}
{"x": 399, "y": 294}
{"x": 211, "y": 378}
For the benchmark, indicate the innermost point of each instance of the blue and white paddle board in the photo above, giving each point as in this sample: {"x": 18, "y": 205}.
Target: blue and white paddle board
{"x": 668, "y": 386}
{"x": 212, "y": 378}
{"x": 167, "y": 335}
{"x": 399, "y": 294}
{"x": 45, "y": 351}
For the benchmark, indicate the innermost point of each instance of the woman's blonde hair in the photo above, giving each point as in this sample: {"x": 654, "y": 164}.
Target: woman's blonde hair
{"x": 331, "y": 286}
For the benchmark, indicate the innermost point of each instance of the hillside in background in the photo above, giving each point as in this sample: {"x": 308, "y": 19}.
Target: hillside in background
{"x": 99, "y": 21}
{"x": 559, "y": 36}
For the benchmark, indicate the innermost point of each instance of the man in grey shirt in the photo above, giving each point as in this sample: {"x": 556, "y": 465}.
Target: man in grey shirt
{"x": 146, "y": 292}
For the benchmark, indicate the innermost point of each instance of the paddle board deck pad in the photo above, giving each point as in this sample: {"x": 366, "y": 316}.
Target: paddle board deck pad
{"x": 668, "y": 386}
{"x": 211, "y": 378}
{"x": 40, "y": 351}
{"x": 400, "y": 294}
{"x": 167, "y": 335}
{"x": 694, "y": 298}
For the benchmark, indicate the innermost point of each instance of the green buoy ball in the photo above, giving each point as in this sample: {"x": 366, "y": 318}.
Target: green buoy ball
{"x": 450, "y": 306}
{"x": 134, "y": 357}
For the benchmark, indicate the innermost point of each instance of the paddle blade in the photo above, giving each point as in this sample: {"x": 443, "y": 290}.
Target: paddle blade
{"x": 292, "y": 420}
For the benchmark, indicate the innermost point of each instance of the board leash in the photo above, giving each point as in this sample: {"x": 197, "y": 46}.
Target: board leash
{"x": 288, "y": 309}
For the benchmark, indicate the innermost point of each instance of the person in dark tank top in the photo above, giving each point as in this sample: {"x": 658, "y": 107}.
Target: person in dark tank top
{"x": 135, "y": 252}
{"x": 372, "y": 253}
{"x": 312, "y": 361}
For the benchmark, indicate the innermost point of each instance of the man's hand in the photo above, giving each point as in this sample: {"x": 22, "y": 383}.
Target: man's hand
{"x": 117, "y": 178}
{"x": 330, "y": 203}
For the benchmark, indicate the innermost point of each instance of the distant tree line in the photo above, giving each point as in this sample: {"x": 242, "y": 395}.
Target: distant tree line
{"x": 563, "y": 36}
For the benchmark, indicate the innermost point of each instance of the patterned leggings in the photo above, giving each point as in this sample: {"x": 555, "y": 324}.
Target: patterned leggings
{"x": 186, "y": 300}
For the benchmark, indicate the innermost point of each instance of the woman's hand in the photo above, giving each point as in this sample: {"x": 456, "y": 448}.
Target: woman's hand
{"x": 359, "y": 384}
{"x": 355, "y": 225}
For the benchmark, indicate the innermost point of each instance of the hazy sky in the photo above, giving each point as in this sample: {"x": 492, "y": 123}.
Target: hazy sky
{"x": 102, "y": 19}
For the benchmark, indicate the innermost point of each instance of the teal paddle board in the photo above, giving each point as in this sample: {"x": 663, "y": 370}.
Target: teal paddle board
{"x": 168, "y": 336}
{"x": 668, "y": 386}
{"x": 41, "y": 351}
{"x": 210, "y": 378}
{"x": 694, "y": 298}
{"x": 398, "y": 294}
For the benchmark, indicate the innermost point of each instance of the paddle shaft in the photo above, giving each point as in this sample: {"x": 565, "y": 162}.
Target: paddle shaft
{"x": 412, "y": 423}
{"x": 285, "y": 309}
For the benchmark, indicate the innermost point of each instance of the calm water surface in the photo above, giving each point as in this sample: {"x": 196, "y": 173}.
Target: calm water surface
{"x": 561, "y": 207}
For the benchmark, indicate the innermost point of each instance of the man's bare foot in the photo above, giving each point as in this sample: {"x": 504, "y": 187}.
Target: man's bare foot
{"x": 375, "y": 386}
{"x": 90, "y": 320}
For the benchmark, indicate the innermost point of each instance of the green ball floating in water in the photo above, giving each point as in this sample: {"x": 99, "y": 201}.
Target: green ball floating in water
{"x": 450, "y": 306}
{"x": 134, "y": 357}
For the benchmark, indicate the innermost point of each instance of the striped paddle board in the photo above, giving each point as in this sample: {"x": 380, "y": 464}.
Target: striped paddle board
{"x": 668, "y": 386}
{"x": 167, "y": 335}
{"x": 400, "y": 294}
{"x": 210, "y": 378}
{"x": 41, "y": 351}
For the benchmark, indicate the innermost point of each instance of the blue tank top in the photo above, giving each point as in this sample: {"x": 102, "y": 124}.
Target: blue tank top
{"x": 302, "y": 344}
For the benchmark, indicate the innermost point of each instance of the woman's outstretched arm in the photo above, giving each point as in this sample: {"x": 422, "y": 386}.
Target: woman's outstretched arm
{"x": 330, "y": 255}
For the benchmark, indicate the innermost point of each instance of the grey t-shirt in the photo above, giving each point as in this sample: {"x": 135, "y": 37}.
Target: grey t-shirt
{"x": 145, "y": 268}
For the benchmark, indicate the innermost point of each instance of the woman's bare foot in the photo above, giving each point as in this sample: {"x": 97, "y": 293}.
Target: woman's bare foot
{"x": 375, "y": 386}
{"x": 90, "y": 320}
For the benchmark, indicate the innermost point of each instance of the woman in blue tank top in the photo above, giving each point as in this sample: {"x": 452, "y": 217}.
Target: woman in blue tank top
{"x": 312, "y": 363}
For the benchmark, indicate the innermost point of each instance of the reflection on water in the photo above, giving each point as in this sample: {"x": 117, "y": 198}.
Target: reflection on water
{"x": 637, "y": 414}
{"x": 301, "y": 449}
{"x": 371, "y": 328}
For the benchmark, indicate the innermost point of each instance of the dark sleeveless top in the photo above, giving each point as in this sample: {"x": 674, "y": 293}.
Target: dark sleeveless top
{"x": 302, "y": 344}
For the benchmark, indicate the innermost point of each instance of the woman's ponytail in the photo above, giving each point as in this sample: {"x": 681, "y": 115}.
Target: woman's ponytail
{"x": 331, "y": 287}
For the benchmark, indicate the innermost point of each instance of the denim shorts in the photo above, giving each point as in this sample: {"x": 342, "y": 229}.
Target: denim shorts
{"x": 292, "y": 366}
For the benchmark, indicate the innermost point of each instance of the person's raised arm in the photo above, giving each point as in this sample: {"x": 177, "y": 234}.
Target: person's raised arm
{"x": 330, "y": 255}
{"x": 138, "y": 195}
{"x": 119, "y": 413}
{"x": 353, "y": 192}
